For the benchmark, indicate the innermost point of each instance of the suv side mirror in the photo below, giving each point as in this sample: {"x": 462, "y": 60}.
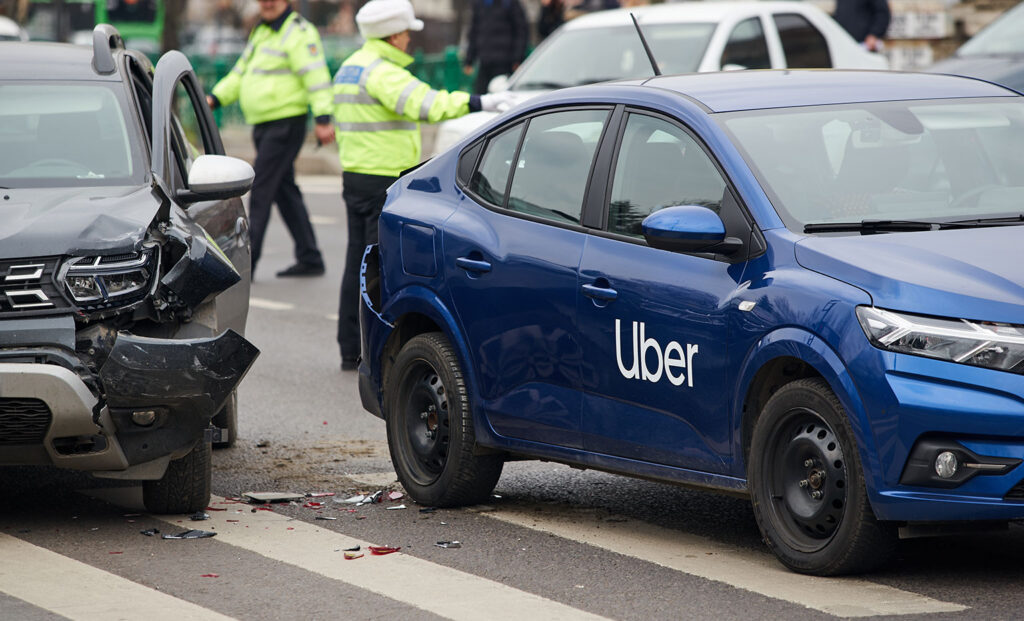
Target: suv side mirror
{"x": 214, "y": 177}
{"x": 688, "y": 228}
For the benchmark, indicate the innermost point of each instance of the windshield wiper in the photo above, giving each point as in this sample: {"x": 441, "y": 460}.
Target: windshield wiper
{"x": 869, "y": 227}
{"x": 533, "y": 86}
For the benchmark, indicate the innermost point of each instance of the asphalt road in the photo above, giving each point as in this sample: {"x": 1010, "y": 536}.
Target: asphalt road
{"x": 555, "y": 543}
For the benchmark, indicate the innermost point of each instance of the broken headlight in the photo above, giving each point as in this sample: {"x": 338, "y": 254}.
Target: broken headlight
{"x": 977, "y": 343}
{"x": 108, "y": 280}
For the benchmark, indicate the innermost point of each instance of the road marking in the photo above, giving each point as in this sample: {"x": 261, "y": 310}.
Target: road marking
{"x": 78, "y": 591}
{"x": 743, "y": 569}
{"x": 270, "y": 304}
{"x": 397, "y": 576}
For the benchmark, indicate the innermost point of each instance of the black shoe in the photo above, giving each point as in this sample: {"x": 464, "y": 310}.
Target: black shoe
{"x": 349, "y": 365}
{"x": 302, "y": 269}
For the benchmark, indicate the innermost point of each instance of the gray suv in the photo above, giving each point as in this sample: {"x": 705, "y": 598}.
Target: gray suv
{"x": 124, "y": 268}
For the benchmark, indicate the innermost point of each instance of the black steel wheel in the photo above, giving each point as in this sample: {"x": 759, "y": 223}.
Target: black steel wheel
{"x": 430, "y": 427}
{"x": 807, "y": 486}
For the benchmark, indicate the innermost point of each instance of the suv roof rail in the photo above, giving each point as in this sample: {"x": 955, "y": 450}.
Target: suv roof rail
{"x": 105, "y": 40}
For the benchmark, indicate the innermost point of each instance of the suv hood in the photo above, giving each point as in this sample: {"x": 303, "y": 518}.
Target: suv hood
{"x": 972, "y": 273}
{"x": 55, "y": 221}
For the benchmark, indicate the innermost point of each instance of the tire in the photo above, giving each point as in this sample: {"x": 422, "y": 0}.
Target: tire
{"x": 430, "y": 427}
{"x": 807, "y": 486}
{"x": 185, "y": 487}
{"x": 227, "y": 418}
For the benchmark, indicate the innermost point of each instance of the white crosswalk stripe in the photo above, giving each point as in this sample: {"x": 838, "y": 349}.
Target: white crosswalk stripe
{"x": 78, "y": 591}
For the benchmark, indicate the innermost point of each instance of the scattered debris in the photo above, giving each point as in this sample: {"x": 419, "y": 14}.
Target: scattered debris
{"x": 362, "y": 499}
{"x": 199, "y": 516}
{"x": 117, "y": 552}
{"x": 395, "y": 495}
{"x": 216, "y": 509}
{"x": 263, "y": 444}
{"x": 149, "y": 532}
{"x": 318, "y": 494}
{"x": 352, "y": 549}
{"x": 265, "y": 497}
{"x": 449, "y": 544}
{"x": 428, "y": 509}
{"x": 382, "y": 550}
{"x": 191, "y": 534}
{"x": 395, "y": 507}
{"x": 325, "y": 517}
{"x": 209, "y": 576}
{"x": 353, "y": 555}
{"x": 313, "y": 505}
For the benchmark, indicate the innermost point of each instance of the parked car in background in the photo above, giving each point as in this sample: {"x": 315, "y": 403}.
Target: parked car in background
{"x": 805, "y": 287}
{"x": 11, "y": 31}
{"x": 684, "y": 37}
{"x": 995, "y": 54}
{"x": 124, "y": 268}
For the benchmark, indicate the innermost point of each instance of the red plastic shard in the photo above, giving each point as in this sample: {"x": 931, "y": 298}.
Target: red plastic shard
{"x": 353, "y": 555}
{"x": 118, "y": 552}
{"x": 210, "y": 576}
{"x": 216, "y": 509}
{"x": 313, "y": 505}
{"x": 382, "y": 550}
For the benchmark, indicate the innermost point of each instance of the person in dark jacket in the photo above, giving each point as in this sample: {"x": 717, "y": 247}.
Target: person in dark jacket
{"x": 865, "y": 20}
{"x": 498, "y": 34}
{"x": 552, "y": 15}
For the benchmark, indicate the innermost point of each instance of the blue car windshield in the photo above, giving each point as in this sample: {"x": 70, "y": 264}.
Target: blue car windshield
{"x": 936, "y": 160}
{"x": 65, "y": 135}
{"x": 588, "y": 55}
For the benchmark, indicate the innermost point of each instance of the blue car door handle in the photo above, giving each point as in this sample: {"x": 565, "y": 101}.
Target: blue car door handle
{"x": 600, "y": 293}
{"x": 473, "y": 265}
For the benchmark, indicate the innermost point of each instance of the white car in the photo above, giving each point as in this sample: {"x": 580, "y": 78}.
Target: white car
{"x": 686, "y": 37}
{"x": 11, "y": 31}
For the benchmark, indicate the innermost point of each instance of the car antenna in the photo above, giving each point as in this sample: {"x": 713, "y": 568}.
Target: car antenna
{"x": 647, "y": 48}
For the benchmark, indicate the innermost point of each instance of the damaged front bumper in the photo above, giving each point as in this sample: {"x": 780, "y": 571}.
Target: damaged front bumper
{"x": 158, "y": 396}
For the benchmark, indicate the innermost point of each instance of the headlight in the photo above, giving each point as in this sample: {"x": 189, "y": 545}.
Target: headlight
{"x": 977, "y": 343}
{"x": 107, "y": 280}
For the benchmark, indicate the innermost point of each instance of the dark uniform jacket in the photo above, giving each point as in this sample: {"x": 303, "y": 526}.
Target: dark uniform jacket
{"x": 498, "y": 32}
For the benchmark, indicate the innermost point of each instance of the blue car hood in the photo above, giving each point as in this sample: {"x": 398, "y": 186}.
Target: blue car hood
{"x": 970, "y": 273}
{"x": 57, "y": 221}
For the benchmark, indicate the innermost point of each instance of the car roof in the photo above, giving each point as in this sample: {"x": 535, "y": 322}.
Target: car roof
{"x": 710, "y": 12}
{"x": 730, "y": 91}
{"x": 48, "y": 61}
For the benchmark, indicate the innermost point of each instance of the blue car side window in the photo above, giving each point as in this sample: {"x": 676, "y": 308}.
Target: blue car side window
{"x": 659, "y": 165}
{"x": 491, "y": 178}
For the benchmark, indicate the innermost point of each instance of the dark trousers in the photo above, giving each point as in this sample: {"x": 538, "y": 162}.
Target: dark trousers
{"x": 487, "y": 72}
{"x": 364, "y": 197}
{"x": 277, "y": 145}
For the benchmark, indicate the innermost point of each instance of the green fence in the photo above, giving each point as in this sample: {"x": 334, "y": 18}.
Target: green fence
{"x": 442, "y": 70}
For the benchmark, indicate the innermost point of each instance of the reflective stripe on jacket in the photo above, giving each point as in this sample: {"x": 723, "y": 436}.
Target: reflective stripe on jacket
{"x": 280, "y": 74}
{"x": 378, "y": 106}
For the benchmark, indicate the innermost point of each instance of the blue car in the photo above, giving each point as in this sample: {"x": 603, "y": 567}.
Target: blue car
{"x": 804, "y": 287}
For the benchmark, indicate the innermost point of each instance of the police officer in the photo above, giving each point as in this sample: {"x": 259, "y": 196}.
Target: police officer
{"x": 280, "y": 74}
{"x": 378, "y": 106}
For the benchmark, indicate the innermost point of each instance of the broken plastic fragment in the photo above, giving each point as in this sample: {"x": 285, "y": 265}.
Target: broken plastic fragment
{"x": 395, "y": 507}
{"x": 261, "y": 497}
{"x": 325, "y": 517}
{"x": 353, "y": 555}
{"x": 313, "y": 505}
{"x": 149, "y": 532}
{"x": 395, "y": 495}
{"x": 352, "y": 549}
{"x": 318, "y": 494}
{"x": 209, "y": 575}
{"x": 199, "y": 516}
{"x": 382, "y": 550}
{"x": 352, "y": 499}
{"x": 449, "y": 544}
{"x": 191, "y": 534}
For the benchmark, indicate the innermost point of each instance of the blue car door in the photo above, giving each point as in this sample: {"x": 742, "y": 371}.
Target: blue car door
{"x": 653, "y": 323}
{"x": 514, "y": 247}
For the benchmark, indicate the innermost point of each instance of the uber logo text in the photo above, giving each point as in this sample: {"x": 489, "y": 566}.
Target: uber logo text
{"x": 668, "y": 359}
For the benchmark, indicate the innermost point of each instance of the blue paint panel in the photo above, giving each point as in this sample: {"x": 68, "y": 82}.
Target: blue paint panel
{"x": 418, "y": 250}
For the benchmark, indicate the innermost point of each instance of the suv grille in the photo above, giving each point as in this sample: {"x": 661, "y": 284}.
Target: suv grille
{"x": 28, "y": 287}
{"x": 23, "y": 421}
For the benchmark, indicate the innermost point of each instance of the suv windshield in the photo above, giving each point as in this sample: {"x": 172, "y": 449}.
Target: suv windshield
{"x": 939, "y": 161}
{"x": 1003, "y": 36}
{"x": 64, "y": 135}
{"x": 588, "y": 55}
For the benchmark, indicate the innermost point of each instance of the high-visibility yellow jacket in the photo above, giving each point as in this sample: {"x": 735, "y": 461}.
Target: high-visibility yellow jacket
{"x": 279, "y": 74}
{"x": 377, "y": 108}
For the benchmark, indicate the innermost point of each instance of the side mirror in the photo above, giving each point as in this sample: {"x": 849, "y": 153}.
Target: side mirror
{"x": 214, "y": 177}
{"x": 498, "y": 84}
{"x": 688, "y": 228}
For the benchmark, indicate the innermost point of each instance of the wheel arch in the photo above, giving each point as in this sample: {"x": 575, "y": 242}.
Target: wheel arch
{"x": 789, "y": 354}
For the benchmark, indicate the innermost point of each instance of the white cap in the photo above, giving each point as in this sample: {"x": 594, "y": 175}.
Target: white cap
{"x": 379, "y": 19}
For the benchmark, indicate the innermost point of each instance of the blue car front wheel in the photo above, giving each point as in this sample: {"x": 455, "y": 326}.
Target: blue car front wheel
{"x": 807, "y": 486}
{"x": 430, "y": 427}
